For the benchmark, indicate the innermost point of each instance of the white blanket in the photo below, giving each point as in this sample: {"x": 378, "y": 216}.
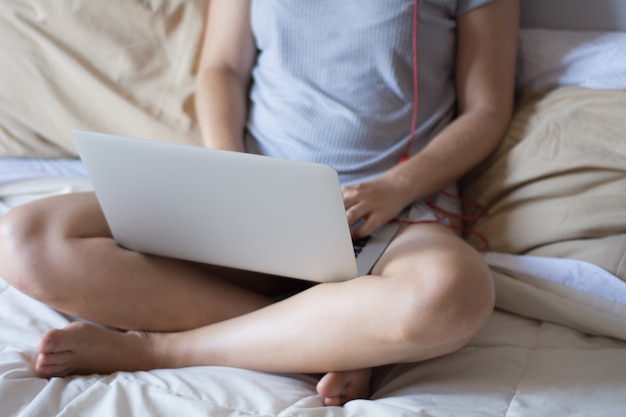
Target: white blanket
{"x": 514, "y": 367}
{"x": 551, "y": 58}
{"x": 27, "y": 179}
{"x": 517, "y": 366}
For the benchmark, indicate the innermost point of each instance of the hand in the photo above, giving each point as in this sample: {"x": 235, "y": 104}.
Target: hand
{"x": 374, "y": 203}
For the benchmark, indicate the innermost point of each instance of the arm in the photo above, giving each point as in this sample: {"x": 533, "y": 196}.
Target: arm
{"x": 226, "y": 61}
{"x": 487, "y": 47}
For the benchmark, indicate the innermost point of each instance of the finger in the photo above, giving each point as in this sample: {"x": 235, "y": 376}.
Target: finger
{"x": 366, "y": 228}
{"x": 350, "y": 196}
{"x": 356, "y": 213}
{"x": 372, "y": 221}
{"x": 365, "y": 225}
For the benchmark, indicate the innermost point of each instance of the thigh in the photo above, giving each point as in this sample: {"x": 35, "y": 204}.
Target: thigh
{"x": 71, "y": 215}
{"x": 276, "y": 287}
{"x": 419, "y": 246}
{"x": 79, "y": 215}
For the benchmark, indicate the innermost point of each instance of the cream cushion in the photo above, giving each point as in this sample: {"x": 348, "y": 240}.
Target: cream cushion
{"x": 117, "y": 66}
{"x": 557, "y": 184}
{"x": 556, "y": 188}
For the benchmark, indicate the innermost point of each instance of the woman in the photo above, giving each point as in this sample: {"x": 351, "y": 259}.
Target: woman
{"x": 325, "y": 81}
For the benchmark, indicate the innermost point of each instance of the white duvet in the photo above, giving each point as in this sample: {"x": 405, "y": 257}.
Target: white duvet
{"x": 514, "y": 367}
{"x": 551, "y": 58}
{"x": 517, "y": 366}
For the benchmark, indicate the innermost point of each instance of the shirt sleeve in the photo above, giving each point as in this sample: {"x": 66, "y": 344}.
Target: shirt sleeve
{"x": 464, "y": 6}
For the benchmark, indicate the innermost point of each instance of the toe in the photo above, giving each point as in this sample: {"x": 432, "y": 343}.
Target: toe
{"x": 333, "y": 401}
{"x": 49, "y": 341}
{"x": 331, "y": 385}
{"x": 337, "y": 388}
{"x": 53, "y": 364}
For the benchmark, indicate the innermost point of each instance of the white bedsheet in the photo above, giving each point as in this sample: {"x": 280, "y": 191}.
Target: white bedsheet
{"x": 16, "y": 169}
{"x": 26, "y": 179}
{"x": 517, "y": 366}
{"x": 550, "y": 58}
{"x": 514, "y": 367}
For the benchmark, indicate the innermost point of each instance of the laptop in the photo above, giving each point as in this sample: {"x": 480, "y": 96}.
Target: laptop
{"x": 224, "y": 208}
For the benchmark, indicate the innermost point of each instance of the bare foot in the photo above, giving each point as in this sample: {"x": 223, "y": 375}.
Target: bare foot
{"x": 337, "y": 388}
{"x": 82, "y": 348}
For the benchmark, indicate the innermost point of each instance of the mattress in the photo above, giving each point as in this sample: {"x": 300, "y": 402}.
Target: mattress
{"x": 518, "y": 365}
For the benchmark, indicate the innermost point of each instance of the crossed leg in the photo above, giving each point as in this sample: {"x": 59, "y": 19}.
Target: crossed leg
{"x": 60, "y": 251}
{"x": 428, "y": 295}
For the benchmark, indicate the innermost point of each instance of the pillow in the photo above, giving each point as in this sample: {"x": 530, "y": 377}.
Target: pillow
{"x": 118, "y": 66}
{"x": 563, "y": 291}
{"x": 556, "y": 186}
{"x": 551, "y": 58}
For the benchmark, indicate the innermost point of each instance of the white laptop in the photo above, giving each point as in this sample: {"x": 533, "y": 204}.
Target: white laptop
{"x": 223, "y": 208}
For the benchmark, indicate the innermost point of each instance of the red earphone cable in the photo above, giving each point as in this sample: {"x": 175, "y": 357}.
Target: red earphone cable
{"x": 407, "y": 151}
{"x": 440, "y": 219}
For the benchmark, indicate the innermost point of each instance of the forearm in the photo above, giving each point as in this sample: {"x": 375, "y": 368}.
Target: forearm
{"x": 453, "y": 152}
{"x": 221, "y": 108}
{"x": 485, "y": 77}
{"x": 458, "y": 148}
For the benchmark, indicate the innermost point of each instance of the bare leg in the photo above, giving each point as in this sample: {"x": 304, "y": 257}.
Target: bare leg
{"x": 430, "y": 295}
{"x": 60, "y": 251}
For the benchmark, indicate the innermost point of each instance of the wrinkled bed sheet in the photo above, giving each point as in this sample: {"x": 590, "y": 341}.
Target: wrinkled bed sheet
{"x": 27, "y": 179}
{"x": 522, "y": 364}
{"x": 514, "y": 367}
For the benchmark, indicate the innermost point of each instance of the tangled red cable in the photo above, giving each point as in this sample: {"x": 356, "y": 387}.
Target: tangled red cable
{"x": 484, "y": 212}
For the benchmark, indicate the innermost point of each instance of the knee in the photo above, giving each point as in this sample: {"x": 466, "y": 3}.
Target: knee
{"x": 449, "y": 298}
{"x": 16, "y": 231}
{"x": 22, "y": 237}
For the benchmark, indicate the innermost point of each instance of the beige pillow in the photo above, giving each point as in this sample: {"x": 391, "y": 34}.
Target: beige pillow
{"x": 118, "y": 66}
{"x": 557, "y": 184}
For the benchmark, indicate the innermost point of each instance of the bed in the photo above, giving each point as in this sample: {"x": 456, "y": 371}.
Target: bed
{"x": 556, "y": 189}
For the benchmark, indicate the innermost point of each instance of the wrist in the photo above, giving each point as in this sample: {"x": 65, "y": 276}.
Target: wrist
{"x": 233, "y": 145}
{"x": 403, "y": 184}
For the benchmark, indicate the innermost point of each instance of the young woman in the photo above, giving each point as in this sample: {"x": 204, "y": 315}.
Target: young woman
{"x": 402, "y": 98}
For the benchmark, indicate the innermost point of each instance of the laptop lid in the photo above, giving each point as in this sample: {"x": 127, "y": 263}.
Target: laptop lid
{"x": 224, "y": 208}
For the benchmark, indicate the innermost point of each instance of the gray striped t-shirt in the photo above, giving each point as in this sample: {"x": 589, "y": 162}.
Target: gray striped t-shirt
{"x": 333, "y": 82}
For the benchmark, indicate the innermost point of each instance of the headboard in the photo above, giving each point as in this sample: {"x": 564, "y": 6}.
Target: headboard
{"x": 596, "y": 15}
